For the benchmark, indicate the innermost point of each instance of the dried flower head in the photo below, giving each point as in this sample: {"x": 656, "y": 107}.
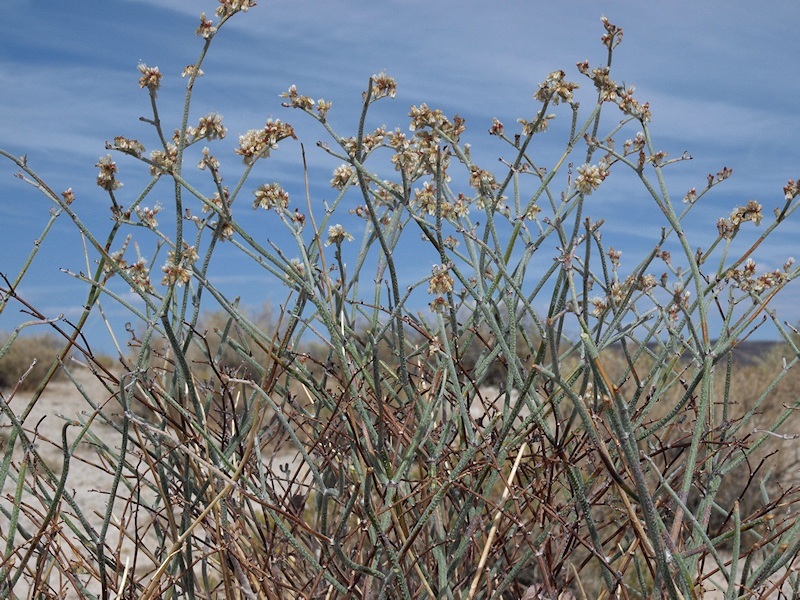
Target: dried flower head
{"x": 323, "y": 106}
{"x": 531, "y": 212}
{"x": 555, "y": 88}
{"x": 630, "y": 106}
{"x": 106, "y": 178}
{"x": 192, "y": 70}
{"x": 148, "y": 215}
{"x": 725, "y": 229}
{"x": 613, "y": 35}
{"x": 751, "y": 212}
{"x": 337, "y": 235}
{"x": 210, "y": 127}
{"x": 127, "y": 146}
{"x": 257, "y": 143}
{"x": 220, "y": 202}
{"x": 425, "y": 198}
{"x": 496, "y": 128}
{"x": 271, "y": 195}
{"x": 206, "y": 29}
{"x": 424, "y": 117}
{"x": 208, "y": 161}
{"x": 163, "y": 161}
{"x": 589, "y": 178}
{"x": 791, "y": 189}
{"x": 140, "y": 275}
{"x": 342, "y": 175}
{"x": 537, "y": 125}
{"x": 178, "y": 270}
{"x": 441, "y": 281}
{"x": 69, "y": 196}
{"x": 481, "y": 179}
{"x": 721, "y": 175}
{"x": 647, "y": 282}
{"x": 229, "y": 7}
{"x": 599, "y": 305}
{"x": 634, "y": 145}
{"x": 296, "y": 100}
{"x": 383, "y": 86}
{"x": 450, "y": 242}
{"x": 151, "y": 77}
{"x": 439, "y": 304}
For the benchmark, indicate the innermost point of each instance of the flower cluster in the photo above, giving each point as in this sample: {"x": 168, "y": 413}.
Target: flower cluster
{"x": 606, "y": 86}
{"x": 323, "y": 106}
{"x": 210, "y": 127}
{"x": 178, "y": 269}
{"x": 138, "y": 271}
{"x": 791, "y": 189}
{"x": 555, "y": 88}
{"x": 271, "y": 195}
{"x": 589, "y": 178}
{"x": 383, "y": 86}
{"x": 613, "y": 35}
{"x": 422, "y": 116}
{"x": 208, "y": 161}
{"x": 610, "y": 91}
{"x": 206, "y": 29}
{"x": 418, "y": 156}
{"x": 750, "y": 212}
{"x": 599, "y": 305}
{"x": 220, "y": 202}
{"x": 630, "y": 106}
{"x": 296, "y": 100}
{"x": 538, "y": 125}
{"x": 228, "y": 7}
{"x": 680, "y": 301}
{"x": 721, "y": 175}
{"x": 258, "y": 143}
{"x": 148, "y": 215}
{"x": 481, "y": 179}
{"x": 337, "y": 235}
{"x": 126, "y": 145}
{"x": 746, "y": 280}
{"x": 163, "y": 161}
{"x": 342, "y": 175}
{"x": 614, "y": 256}
{"x": 634, "y": 145}
{"x": 441, "y": 281}
{"x": 387, "y": 193}
{"x": 107, "y": 177}
{"x": 192, "y": 70}
{"x": 531, "y": 212}
{"x": 439, "y": 304}
{"x": 69, "y": 196}
{"x": 151, "y": 77}
{"x": 425, "y": 198}
{"x": 369, "y": 141}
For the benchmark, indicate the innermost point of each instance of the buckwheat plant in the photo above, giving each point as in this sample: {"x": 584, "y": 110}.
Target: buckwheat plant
{"x": 532, "y": 414}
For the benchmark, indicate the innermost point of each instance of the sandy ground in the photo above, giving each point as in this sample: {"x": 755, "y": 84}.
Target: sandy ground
{"x": 87, "y": 481}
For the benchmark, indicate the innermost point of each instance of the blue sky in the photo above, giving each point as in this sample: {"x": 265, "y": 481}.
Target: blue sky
{"x": 721, "y": 78}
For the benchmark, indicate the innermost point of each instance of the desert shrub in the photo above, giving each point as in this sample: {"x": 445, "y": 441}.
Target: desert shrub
{"x": 351, "y": 445}
{"x": 26, "y": 359}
